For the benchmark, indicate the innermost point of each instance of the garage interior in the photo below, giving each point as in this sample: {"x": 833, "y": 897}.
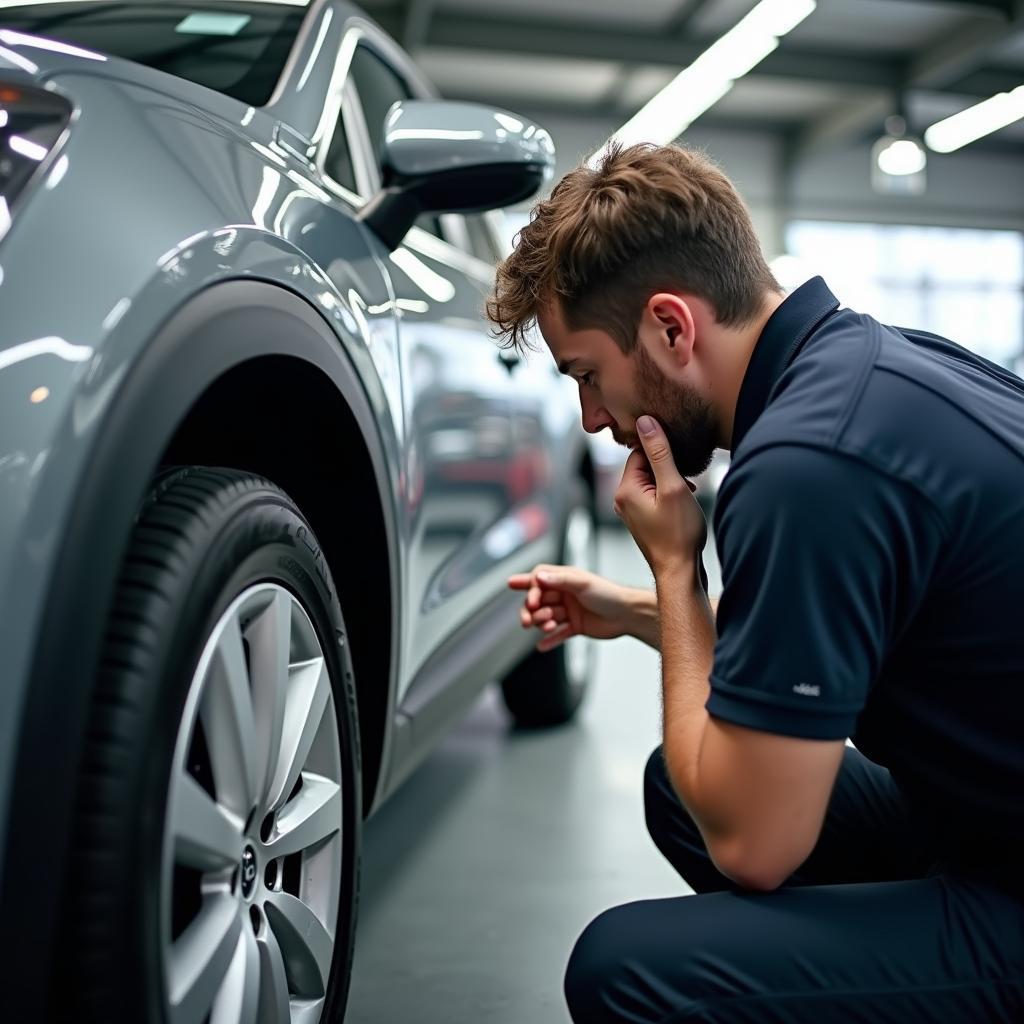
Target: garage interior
{"x": 475, "y": 887}
{"x": 264, "y": 458}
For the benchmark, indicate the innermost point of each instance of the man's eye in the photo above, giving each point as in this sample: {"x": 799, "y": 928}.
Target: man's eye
{"x": 587, "y": 380}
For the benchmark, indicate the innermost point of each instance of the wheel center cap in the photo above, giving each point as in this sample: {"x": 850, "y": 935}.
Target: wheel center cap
{"x": 247, "y": 873}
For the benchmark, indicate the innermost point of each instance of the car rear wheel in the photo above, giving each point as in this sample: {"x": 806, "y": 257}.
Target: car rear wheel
{"x": 546, "y": 689}
{"x": 215, "y": 874}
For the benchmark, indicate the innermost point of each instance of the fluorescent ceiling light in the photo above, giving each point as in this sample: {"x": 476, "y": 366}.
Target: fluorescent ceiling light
{"x": 696, "y": 88}
{"x": 975, "y": 122}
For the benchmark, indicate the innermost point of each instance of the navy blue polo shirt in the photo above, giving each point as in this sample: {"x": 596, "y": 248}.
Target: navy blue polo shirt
{"x": 871, "y": 536}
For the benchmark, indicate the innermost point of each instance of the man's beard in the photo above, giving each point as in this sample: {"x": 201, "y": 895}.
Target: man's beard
{"x": 684, "y": 415}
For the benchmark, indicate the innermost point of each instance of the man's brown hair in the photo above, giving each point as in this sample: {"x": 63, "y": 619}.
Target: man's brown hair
{"x": 646, "y": 219}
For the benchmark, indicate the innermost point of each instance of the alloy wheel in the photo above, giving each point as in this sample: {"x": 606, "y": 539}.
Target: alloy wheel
{"x": 251, "y": 866}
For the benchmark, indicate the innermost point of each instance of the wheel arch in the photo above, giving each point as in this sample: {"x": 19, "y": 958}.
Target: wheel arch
{"x": 213, "y": 337}
{"x": 323, "y": 463}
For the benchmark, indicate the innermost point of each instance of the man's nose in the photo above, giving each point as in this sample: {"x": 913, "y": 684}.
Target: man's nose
{"x": 595, "y": 416}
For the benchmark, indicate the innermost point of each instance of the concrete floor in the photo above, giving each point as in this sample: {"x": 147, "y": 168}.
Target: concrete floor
{"x": 479, "y": 874}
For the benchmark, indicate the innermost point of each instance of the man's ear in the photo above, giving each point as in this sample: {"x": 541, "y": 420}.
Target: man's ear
{"x": 670, "y": 325}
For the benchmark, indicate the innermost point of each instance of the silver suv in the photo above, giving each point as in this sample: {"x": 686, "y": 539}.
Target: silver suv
{"x": 263, "y": 474}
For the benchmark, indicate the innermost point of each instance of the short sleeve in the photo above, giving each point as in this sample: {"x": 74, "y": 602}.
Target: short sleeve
{"x": 824, "y": 561}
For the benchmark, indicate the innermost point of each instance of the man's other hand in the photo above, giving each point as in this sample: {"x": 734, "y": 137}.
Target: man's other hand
{"x": 563, "y": 602}
{"x": 657, "y": 504}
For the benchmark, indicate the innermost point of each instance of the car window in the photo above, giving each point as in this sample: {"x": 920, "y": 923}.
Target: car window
{"x": 379, "y": 87}
{"x": 240, "y": 51}
{"x": 339, "y": 165}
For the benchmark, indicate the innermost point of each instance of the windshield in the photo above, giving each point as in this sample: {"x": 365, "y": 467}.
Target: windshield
{"x": 234, "y": 47}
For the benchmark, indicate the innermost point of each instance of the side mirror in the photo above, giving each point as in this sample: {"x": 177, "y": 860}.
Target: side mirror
{"x": 443, "y": 157}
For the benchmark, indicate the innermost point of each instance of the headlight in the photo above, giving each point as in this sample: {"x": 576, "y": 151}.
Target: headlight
{"x": 31, "y": 123}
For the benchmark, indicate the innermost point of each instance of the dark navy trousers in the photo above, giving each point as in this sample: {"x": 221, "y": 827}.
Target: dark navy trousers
{"x": 869, "y": 930}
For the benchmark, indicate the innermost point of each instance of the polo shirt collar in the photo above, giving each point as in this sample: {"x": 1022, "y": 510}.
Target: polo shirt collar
{"x": 782, "y": 338}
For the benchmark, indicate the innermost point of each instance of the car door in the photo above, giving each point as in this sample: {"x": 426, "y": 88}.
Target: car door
{"x": 460, "y": 490}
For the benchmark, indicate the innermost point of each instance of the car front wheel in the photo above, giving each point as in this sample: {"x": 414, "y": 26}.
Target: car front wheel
{"x": 215, "y": 873}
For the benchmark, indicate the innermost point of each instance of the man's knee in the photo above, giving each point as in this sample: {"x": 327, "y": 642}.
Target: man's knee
{"x": 631, "y": 964}
{"x": 594, "y": 964}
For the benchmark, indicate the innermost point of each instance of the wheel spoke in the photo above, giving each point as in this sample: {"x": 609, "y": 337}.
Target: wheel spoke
{"x": 205, "y": 837}
{"x": 312, "y": 816}
{"x": 308, "y": 689}
{"x": 238, "y": 999}
{"x": 305, "y": 944}
{"x": 227, "y": 716}
{"x": 200, "y": 959}
{"x": 274, "y": 1000}
{"x": 269, "y": 638}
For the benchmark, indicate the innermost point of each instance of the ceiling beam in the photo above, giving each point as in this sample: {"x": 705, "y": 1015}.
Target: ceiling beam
{"x": 957, "y": 54}
{"x": 681, "y": 19}
{"x": 988, "y": 82}
{"x": 994, "y": 8}
{"x": 945, "y": 66}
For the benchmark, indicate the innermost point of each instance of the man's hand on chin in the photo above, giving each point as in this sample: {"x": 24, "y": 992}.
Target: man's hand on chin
{"x": 658, "y": 507}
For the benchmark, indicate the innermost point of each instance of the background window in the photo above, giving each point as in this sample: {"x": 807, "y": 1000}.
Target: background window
{"x": 965, "y": 284}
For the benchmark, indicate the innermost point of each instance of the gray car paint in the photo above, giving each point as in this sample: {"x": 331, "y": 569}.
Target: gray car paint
{"x": 483, "y": 136}
{"x": 162, "y": 189}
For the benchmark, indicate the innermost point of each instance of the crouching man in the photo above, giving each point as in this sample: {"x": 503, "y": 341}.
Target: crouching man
{"x": 871, "y": 536}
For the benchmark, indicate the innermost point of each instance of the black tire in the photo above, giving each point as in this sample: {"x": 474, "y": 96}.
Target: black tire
{"x": 546, "y": 689}
{"x": 202, "y": 537}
